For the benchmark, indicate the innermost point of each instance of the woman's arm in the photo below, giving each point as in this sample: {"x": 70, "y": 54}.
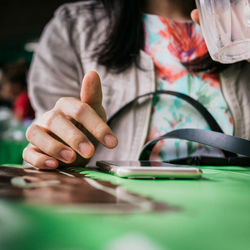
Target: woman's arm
{"x": 62, "y": 103}
{"x": 56, "y": 70}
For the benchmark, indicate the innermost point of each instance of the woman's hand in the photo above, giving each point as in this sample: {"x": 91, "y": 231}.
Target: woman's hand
{"x": 59, "y": 139}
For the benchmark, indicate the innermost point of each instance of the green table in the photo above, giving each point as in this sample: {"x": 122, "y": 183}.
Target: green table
{"x": 214, "y": 214}
{"x": 11, "y": 151}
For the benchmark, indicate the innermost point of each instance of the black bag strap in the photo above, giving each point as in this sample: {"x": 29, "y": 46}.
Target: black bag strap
{"x": 197, "y": 105}
{"x": 214, "y": 126}
{"x": 212, "y": 161}
{"x": 218, "y": 140}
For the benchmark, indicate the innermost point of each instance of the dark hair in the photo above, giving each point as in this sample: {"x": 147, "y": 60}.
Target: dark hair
{"x": 16, "y": 73}
{"x": 126, "y": 38}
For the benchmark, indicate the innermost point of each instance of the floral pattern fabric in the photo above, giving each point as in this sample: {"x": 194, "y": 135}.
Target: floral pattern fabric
{"x": 171, "y": 44}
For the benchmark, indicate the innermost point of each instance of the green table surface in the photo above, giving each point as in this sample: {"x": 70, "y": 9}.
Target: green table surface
{"x": 11, "y": 151}
{"x": 214, "y": 214}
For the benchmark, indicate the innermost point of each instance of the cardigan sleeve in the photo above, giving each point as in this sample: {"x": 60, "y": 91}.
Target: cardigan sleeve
{"x": 56, "y": 70}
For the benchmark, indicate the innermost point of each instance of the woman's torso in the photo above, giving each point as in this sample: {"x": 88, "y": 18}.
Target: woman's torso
{"x": 171, "y": 45}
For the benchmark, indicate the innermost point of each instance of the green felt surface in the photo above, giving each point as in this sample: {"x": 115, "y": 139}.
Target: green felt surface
{"x": 11, "y": 151}
{"x": 214, "y": 214}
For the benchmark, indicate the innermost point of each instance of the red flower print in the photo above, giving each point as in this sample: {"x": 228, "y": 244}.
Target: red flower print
{"x": 185, "y": 43}
{"x": 213, "y": 80}
{"x": 169, "y": 72}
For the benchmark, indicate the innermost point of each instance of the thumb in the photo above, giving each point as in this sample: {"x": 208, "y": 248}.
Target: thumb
{"x": 195, "y": 16}
{"x": 91, "y": 91}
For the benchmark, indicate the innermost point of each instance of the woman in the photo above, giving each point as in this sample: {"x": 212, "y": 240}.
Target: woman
{"x": 133, "y": 53}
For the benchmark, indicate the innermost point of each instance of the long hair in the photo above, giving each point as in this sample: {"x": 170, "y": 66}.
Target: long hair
{"x": 126, "y": 37}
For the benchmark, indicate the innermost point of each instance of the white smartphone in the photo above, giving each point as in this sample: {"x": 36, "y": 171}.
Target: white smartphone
{"x": 149, "y": 169}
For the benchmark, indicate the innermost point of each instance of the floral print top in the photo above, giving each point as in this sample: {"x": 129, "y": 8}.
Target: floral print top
{"x": 171, "y": 44}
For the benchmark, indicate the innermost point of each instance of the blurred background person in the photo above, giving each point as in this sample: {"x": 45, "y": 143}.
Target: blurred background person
{"x": 3, "y": 103}
{"x": 13, "y": 90}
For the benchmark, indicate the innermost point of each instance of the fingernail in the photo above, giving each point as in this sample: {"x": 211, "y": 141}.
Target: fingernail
{"x": 85, "y": 149}
{"x": 51, "y": 163}
{"x": 110, "y": 140}
{"x": 67, "y": 155}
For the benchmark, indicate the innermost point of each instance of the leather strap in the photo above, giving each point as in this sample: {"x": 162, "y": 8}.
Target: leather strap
{"x": 197, "y": 105}
{"x": 185, "y": 134}
{"x": 210, "y": 138}
{"x": 212, "y": 161}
